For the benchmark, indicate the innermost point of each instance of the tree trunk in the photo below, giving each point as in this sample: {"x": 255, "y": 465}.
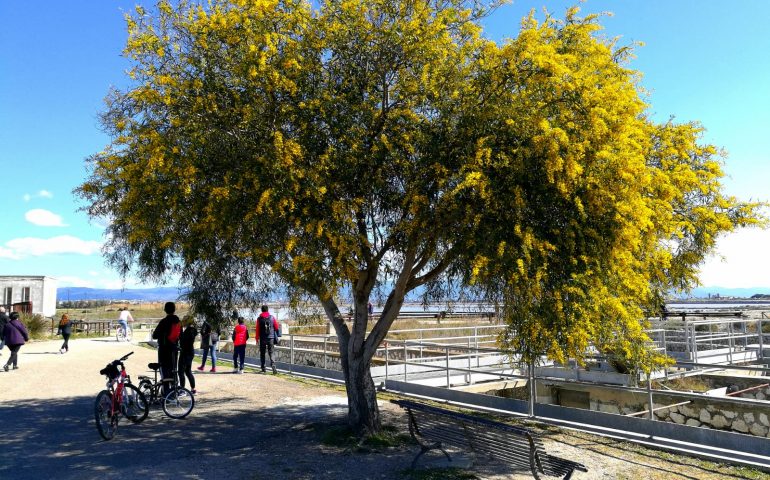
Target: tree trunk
{"x": 363, "y": 413}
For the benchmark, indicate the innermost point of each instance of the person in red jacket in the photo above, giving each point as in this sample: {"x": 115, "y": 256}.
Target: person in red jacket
{"x": 240, "y": 335}
{"x": 267, "y": 326}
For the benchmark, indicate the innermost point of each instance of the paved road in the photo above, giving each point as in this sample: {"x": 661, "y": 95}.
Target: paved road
{"x": 243, "y": 427}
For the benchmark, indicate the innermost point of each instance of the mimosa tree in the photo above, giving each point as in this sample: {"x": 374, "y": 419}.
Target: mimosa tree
{"x": 387, "y": 144}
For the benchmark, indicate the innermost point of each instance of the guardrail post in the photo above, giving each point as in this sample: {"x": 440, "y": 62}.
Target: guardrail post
{"x": 532, "y": 390}
{"x": 649, "y": 395}
{"x": 325, "y": 356}
{"x": 386, "y": 364}
{"x": 448, "y": 382}
{"x": 291, "y": 353}
{"x": 405, "y": 362}
{"x": 759, "y": 330}
{"x": 730, "y": 341}
{"x": 469, "y": 375}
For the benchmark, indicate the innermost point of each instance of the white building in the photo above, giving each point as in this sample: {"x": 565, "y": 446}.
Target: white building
{"x": 36, "y": 294}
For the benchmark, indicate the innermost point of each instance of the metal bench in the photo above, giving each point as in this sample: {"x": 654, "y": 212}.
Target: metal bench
{"x": 432, "y": 427}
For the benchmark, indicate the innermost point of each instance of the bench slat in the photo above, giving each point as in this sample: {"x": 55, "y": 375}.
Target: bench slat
{"x": 514, "y": 445}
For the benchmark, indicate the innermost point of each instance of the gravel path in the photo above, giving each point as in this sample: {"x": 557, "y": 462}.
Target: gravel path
{"x": 249, "y": 427}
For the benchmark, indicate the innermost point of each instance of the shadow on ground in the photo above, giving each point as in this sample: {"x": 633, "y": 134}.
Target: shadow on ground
{"x": 58, "y": 439}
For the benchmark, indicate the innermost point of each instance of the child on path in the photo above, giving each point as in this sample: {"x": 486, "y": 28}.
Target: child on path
{"x": 240, "y": 336}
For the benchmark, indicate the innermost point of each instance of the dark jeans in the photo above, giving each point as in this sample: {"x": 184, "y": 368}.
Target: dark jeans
{"x": 166, "y": 357}
{"x": 185, "y": 370}
{"x": 213, "y": 350}
{"x": 14, "y": 355}
{"x": 65, "y": 345}
{"x": 265, "y": 345}
{"x": 239, "y": 352}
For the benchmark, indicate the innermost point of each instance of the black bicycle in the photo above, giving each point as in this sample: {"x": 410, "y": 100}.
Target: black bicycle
{"x": 120, "y": 398}
{"x": 177, "y": 403}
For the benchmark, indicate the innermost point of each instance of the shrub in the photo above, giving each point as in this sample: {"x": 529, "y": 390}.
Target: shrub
{"x": 37, "y": 325}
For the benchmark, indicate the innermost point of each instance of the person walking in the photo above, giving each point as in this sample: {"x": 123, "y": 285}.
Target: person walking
{"x": 206, "y": 336}
{"x": 167, "y": 334}
{"x": 65, "y": 330}
{"x": 3, "y": 321}
{"x": 14, "y": 335}
{"x": 267, "y": 325}
{"x": 187, "y": 352}
{"x": 240, "y": 336}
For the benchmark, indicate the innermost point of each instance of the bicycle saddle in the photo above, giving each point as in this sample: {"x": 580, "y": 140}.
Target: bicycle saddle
{"x": 153, "y": 366}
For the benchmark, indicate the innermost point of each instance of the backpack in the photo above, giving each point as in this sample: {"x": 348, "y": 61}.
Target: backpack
{"x": 174, "y": 331}
{"x": 266, "y": 328}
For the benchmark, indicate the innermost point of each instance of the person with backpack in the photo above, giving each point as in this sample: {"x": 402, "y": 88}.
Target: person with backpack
{"x": 240, "y": 336}
{"x": 209, "y": 340}
{"x": 267, "y": 326}
{"x": 187, "y": 352}
{"x": 167, "y": 334}
{"x": 65, "y": 330}
{"x": 14, "y": 335}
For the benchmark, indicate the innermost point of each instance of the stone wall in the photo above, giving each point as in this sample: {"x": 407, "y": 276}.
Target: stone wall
{"x": 707, "y": 413}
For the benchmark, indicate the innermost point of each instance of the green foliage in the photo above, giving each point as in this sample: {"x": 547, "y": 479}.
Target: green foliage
{"x": 37, "y": 325}
{"x": 344, "y": 147}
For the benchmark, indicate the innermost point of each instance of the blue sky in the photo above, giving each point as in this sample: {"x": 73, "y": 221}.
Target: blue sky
{"x": 702, "y": 60}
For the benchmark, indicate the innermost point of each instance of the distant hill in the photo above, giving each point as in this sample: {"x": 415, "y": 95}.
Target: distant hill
{"x": 138, "y": 294}
{"x": 710, "y": 292}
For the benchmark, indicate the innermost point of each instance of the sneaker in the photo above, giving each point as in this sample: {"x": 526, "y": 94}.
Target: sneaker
{"x": 275, "y": 370}
{"x": 240, "y": 371}
{"x": 5, "y": 367}
{"x": 61, "y": 351}
{"x": 200, "y": 368}
{"x": 194, "y": 391}
{"x": 235, "y": 370}
{"x": 15, "y": 367}
{"x": 213, "y": 370}
{"x": 264, "y": 371}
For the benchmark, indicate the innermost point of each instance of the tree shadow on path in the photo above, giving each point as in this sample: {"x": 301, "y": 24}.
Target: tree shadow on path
{"x": 58, "y": 438}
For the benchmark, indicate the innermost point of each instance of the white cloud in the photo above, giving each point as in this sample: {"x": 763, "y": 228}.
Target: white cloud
{"x": 19, "y": 248}
{"x": 44, "y": 218}
{"x": 40, "y": 194}
{"x": 746, "y": 263}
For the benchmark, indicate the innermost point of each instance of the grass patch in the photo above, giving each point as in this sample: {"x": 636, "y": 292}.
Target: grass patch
{"x": 342, "y": 436}
{"x": 449, "y": 473}
{"x": 683, "y": 384}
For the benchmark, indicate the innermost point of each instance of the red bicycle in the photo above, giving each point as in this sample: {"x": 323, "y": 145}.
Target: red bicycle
{"x": 120, "y": 398}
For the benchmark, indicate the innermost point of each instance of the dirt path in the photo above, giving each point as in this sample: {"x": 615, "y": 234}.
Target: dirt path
{"x": 249, "y": 427}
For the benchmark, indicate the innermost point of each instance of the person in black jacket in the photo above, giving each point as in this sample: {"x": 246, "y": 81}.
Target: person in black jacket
{"x": 3, "y": 321}
{"x": 65, "y": 330}
{"x": 187, "y": 352}
{"x": 167, "y": 334}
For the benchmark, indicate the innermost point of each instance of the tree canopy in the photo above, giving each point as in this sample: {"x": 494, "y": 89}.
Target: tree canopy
{"x": 387, "y": 144}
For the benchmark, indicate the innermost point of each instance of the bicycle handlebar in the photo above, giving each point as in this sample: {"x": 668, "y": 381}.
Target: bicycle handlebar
{"x": 126, "y": 356}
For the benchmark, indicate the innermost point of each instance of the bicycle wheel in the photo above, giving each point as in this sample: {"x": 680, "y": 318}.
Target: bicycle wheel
{"x": 120, "y": 334}
{"x": 106, "y": 423}
{"x": 178, "y": 403}
{"x": 135, "y": 405}
{"x": 129, "y": 332}
{"x": 145, "y": 386}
